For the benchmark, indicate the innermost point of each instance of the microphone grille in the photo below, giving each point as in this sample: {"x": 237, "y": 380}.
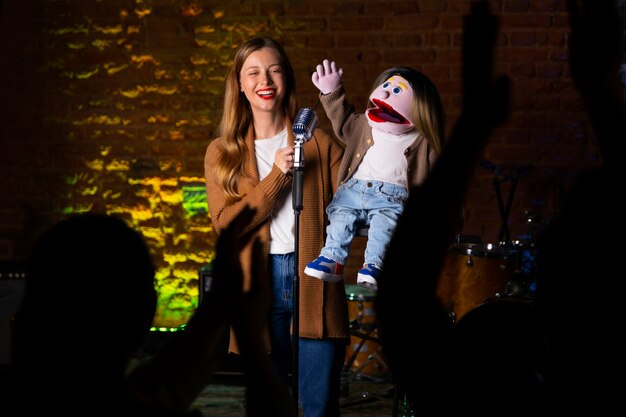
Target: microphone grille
{"x": 305, "y": 123}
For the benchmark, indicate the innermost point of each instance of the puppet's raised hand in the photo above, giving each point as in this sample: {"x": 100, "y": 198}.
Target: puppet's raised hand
{"x": 327, "y": 77}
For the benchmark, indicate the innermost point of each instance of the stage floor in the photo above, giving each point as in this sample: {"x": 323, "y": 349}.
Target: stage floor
{"x": 364, "y": 398}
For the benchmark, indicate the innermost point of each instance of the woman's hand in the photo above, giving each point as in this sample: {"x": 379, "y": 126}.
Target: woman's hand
{"x": 284, "y": 158}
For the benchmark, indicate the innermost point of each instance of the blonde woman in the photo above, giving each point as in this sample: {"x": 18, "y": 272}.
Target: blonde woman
{"x": 250, "y": 164}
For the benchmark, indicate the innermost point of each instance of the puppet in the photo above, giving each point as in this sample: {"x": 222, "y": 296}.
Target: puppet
{"x": 388, "y": 149}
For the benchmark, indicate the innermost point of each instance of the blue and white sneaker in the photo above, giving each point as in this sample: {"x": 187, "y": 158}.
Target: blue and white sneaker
{"x": 325, "y": 269}
{"x": 367, "y": 276}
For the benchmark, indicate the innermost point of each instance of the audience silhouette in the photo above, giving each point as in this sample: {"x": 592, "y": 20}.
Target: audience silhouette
{"x": 579, "y": 290}
{"x": 564, "y": 351}
{"x": 186, "y": 364}
{"x": 88, "y": 306}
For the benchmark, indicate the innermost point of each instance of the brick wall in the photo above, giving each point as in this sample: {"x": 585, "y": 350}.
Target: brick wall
{"x": 109, "y": 106}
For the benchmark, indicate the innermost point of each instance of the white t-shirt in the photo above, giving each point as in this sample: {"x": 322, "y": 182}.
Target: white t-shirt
{"x": 283, "y": 219}
{"x": 385, "y": 160}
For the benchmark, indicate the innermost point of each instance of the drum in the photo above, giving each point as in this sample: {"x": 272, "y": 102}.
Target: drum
{"x": 503, "y": 333}
{"x": 472, "y": 274}
{"x": 364, "y": 356}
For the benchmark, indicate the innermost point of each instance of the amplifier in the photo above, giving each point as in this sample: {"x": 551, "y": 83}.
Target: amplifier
{"x": 205, "y": 278}
{"x": 12, "y": 276}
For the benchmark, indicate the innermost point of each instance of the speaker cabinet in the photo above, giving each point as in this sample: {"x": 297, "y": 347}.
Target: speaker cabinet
{"x": 205, "y": 278}
{"x": 12, "y": 276}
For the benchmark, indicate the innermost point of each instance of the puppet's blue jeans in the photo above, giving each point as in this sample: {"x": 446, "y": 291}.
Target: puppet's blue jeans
{"x": 359, "y": 203}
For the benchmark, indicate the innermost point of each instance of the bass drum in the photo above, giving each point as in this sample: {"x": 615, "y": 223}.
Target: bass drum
{"x": 501, "y": 348}
{"x": 472, "y": 274}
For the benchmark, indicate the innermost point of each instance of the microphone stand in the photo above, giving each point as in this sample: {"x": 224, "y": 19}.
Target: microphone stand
{"x": 505, "y": 235}
{"x": 297, "y": 191}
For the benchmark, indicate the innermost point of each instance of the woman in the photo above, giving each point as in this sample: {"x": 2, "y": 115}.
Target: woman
{"x": 250, "y": 164}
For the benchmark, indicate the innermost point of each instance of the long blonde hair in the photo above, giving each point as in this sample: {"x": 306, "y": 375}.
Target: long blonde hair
{"x": 427, "y": 109}
{"x": 237, "y": 116}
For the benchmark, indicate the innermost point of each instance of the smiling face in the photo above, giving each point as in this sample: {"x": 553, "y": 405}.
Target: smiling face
{"x": 262, "y": 80}
{"x": 392, "y": 110}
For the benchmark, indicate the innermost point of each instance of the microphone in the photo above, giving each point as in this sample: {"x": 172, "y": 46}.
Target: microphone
{"x": 305, "y": 124}
{"x": 303, "y": 128}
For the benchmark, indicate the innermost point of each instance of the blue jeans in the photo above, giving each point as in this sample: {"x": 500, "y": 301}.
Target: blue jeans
{"x": 375, "y": 204}
{"x": 320, "y": 360}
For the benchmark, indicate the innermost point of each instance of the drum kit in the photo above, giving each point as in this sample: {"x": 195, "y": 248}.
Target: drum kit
{"x": 474, "y": 274}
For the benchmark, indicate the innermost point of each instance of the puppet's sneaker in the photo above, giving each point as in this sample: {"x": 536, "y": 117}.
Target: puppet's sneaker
{"x": 325, "y": 269}
{"x": 367, "y": 277}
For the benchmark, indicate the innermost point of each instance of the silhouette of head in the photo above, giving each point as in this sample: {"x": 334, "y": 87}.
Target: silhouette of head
{"x": 89, "y": 292}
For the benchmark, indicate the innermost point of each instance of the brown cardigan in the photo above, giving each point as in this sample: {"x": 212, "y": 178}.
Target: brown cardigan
{"x": 323, "y": 311}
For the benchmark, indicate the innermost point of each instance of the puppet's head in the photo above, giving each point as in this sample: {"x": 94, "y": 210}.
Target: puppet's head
{"x": 404, "y": 99}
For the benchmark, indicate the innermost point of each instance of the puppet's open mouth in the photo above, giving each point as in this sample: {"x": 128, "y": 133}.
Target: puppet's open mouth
{"x": 385, "y": 113}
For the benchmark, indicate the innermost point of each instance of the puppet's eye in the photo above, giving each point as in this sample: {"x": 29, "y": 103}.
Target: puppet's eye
{"x": 396, "y": 90}
{"x": 386, "y": 84}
